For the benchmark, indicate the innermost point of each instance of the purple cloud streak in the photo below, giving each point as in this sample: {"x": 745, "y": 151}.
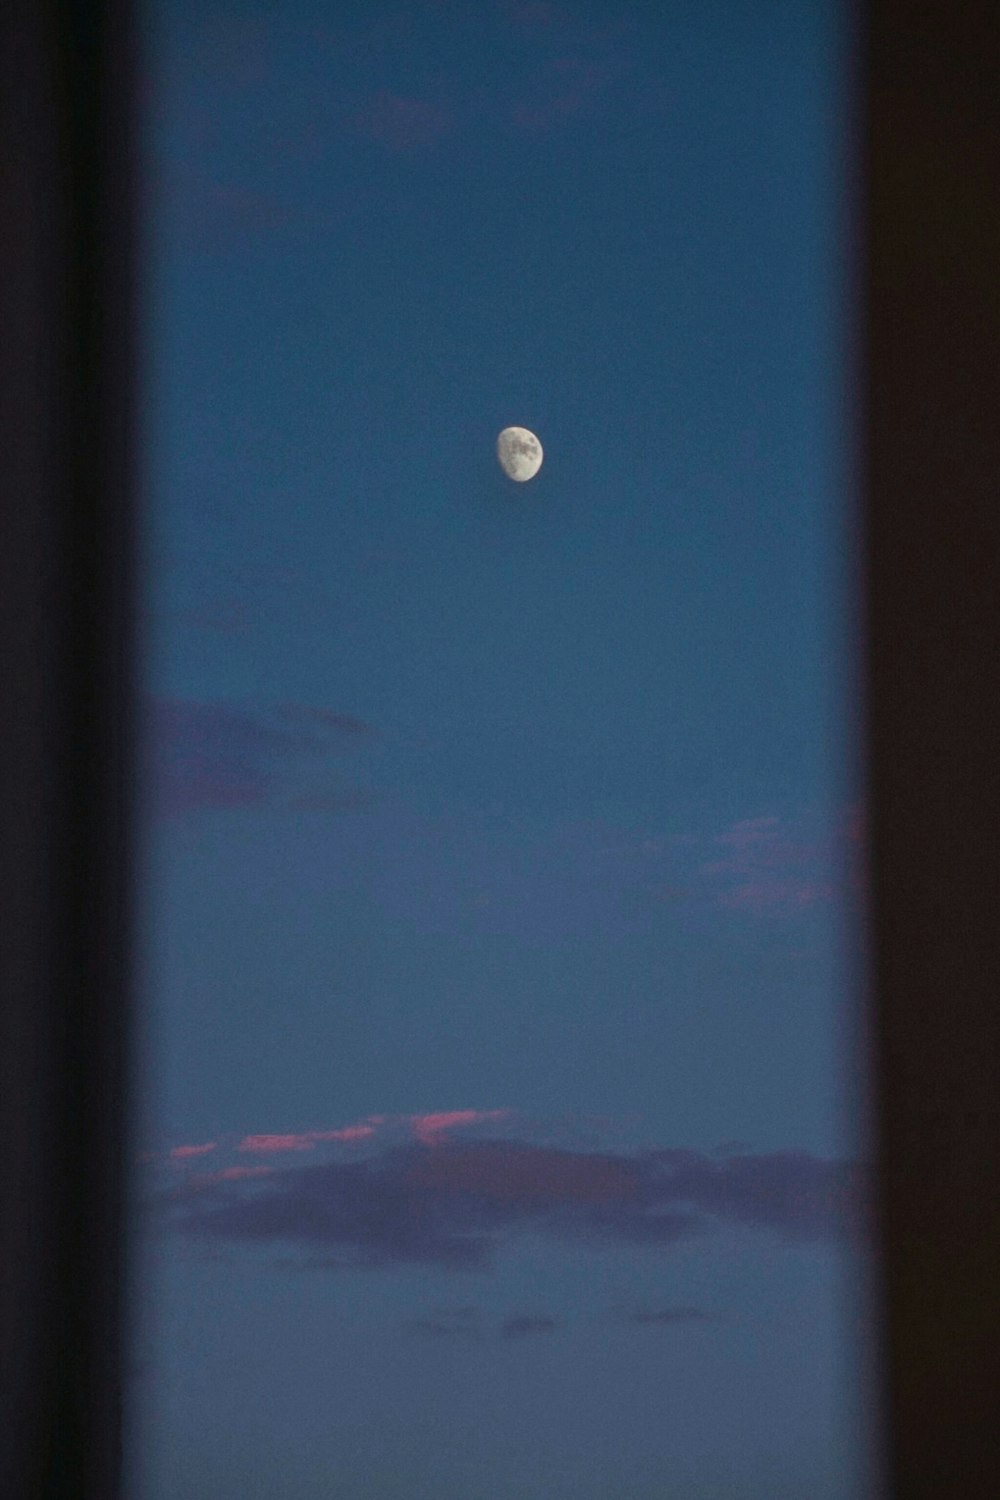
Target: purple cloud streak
{"x": 213, "y": 755}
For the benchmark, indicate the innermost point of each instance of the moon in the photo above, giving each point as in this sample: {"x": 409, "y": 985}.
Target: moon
{"x": 519, "y": 453}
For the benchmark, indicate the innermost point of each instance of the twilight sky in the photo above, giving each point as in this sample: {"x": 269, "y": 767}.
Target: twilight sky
{"x": 503, "y": 842}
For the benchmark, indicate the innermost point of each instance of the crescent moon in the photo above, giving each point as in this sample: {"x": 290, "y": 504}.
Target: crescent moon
{"x": 519, "y": 453}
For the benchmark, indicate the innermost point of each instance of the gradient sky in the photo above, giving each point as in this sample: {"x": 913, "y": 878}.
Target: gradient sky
{"x": 502, "y": 840}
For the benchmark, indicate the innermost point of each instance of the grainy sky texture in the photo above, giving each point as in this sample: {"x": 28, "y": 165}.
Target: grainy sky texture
{"x": 503, "y": 841}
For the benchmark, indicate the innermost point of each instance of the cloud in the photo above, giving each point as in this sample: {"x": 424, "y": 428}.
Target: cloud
{"x": 265, "y": 1145}
{"x": 525, "y": 1175}
{"x": 184, "y": 1153}
{"x": 765, "y": 866}
{"x": 762, "y": 863}
{"x": 268, "y": 1143}
{"x": 433, "y": 1128}
{"x": 570, "y": 65}
{"x": 456, "y": 1203}
{"x": 210, "y": 755}
{"x": 366, "y": 1211}
{"x": 523, "y": 1323}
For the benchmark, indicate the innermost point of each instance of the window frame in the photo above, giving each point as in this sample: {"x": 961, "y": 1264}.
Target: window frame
{"x": 927, "y": 459}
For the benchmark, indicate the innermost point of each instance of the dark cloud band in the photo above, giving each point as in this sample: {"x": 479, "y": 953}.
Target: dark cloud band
{"x": 452, "y": 1205}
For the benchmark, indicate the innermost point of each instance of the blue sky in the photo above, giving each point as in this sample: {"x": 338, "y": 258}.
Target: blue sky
{"x": 501, "y": 849}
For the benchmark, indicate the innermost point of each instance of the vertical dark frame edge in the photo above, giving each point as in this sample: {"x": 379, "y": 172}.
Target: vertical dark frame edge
{"x": 931, "y": 468}
{"x": 68, "y": 607}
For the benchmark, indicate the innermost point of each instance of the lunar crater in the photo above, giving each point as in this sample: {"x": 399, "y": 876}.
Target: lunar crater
{"x": 519, "y": 453}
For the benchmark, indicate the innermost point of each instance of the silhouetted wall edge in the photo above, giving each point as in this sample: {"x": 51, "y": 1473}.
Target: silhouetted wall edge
{"x": 66, "y": 611}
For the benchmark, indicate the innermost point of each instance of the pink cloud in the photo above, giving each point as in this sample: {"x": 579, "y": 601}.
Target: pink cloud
{"x": 303, "y": 1140}
{"x": 402, "y": 124}
{"x": 767, "y": 865}
{"x": 183, "y": 1153}
{"x": 432, "y": 1129}
{"x": 265, "y": 1144}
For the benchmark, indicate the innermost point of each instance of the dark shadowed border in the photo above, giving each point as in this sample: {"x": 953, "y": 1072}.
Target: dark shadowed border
{"x": 930, "y": 462}
{"x": 931, "y": 459}
{"x": 67, "y": 497}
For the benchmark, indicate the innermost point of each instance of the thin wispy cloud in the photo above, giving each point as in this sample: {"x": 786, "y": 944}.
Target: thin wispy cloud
{"x": 565, "y": 68}
{"x": 766, "y": 866}
{"x": 431, "y": 1129}
{"x": 385, "y": 1130}
{"x": 186, "y": 1153}
{"x": 760, "y": 864}
{"x": 570, "y": 67}
{"x": 212, "y": 755}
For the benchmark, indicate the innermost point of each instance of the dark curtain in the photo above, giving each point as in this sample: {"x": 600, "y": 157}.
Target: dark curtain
{"x": 931, "y": 476}
{"x": 67, "y": 492}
